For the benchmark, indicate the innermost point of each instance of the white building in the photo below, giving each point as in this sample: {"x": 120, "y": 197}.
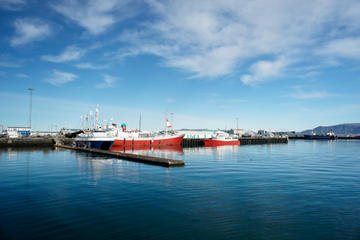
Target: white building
{"x": 197, "y": 134}
{"x": 15, "y": 132}
{"x": 238, "y": 132}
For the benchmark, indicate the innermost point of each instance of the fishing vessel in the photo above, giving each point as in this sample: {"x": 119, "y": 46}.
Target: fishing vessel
{"x": 220, "y": 139}
{"x": 95, "y": 136}
{"x": 99, "y": 139}
{"x": 320, "y": 136}
{"x": 124, "y": 137}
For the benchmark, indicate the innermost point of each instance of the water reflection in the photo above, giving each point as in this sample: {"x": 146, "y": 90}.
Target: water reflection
{"x": 164, "y": 151}
{"x": 145, "y": 149}
{"x": 217, "y": 151}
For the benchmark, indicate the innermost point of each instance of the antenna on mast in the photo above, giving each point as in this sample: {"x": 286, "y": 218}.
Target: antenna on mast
{"x": 81, "y": 122}
{"x": 97, "y": 116}
{"x": 140, "y": 123}
{"x": 91, "y": 119}
{"x": 87, "y": 121}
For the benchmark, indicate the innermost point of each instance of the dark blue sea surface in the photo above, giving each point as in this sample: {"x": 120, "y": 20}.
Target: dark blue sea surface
{"x": 299, "y": 190}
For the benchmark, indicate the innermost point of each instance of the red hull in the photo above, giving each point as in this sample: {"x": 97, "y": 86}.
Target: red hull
{"x": 140, "y": 142}
{"x": 213, "y": 142}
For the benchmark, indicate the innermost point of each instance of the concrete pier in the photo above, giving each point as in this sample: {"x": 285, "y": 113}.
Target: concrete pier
{"x": 189, "y": 142}
{"x": 26, "y": 142}
{"x": 262, "y": 140}
{"x": 192, "y": 142}
{"x": 129, "y": 156}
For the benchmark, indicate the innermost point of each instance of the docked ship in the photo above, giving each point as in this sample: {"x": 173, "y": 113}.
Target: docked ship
{"x": 322, "y": 136}
{"x": 138, "y": 138}
{"x": 109, "y": 135}
{"x": 220, "y": 139}
{"x": 99, "y": 139}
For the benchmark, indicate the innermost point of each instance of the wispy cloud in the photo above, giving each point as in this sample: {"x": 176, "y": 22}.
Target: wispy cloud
{"x": 28, "y": 30}
{"x": 214, "y": 38}
{"x": 263, "y": 70}
{"x": 300, "y": 93}
{"x": 59, "y": 78}
{"x": 108, "y": 82}
{"x": 12, "y": 5}
{"x": 223, "y": 100}
{"x": 9, "y": 61}
{"x": 96, "y": 16}
{"x": 71, "y": 53}
{"x": 343, "y": 48}
{"x": 87, "y": 65}
{"x": 22, "y": 75}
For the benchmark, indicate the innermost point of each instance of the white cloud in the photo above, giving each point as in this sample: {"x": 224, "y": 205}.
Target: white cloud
{"x": 94, "y": 15}
{"x": 22, "y": 75}
{"x": 212, "y": 38}
{"x": 87, "y": 65}
{"x": 263, "y": 70}
{"x": 300, "y": 93}
{"x": 59, "y": 78}
{"x": 344, "y": 48}
{"x": 30, "y": 29}
{"x": 170, "y": 100}
{"x": 12, "y": 5}
{"x": 108, "y": 82}
{"x": 9, "y": 62}
{"x": 71, "y": 53}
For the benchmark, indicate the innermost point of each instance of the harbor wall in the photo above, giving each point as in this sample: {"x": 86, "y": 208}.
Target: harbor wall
{"x": 50, "y": 142}
{"x": 27, "y": 142}
{"x": 243, "y": 141}
{"x": 33, "y": 142}
{"x": 262, "y": 140}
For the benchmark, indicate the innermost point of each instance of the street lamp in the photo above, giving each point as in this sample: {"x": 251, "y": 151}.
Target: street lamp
{"x": 30, "y": 107}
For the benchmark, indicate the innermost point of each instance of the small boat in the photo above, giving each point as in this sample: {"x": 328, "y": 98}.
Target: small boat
{"x": 322, "y": 136}
{"x": 220, "y": 139}
{"x": 99, "y": 139}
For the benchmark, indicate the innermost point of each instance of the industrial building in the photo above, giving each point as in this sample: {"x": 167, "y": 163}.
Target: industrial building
{"x": 197, "y": 133}
{"x": 14, "y": 132}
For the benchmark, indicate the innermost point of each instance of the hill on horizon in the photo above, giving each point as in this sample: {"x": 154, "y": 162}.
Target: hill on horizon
{"x": 340, "y": 129}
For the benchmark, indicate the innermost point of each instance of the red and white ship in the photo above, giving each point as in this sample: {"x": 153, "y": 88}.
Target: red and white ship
{"x": 220, "y": 139}
{"x": 122, "y": 137}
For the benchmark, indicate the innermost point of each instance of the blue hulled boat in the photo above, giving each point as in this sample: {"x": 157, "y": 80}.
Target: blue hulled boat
{"x": 95, "y": 139}
{"x": 322, "y": 136}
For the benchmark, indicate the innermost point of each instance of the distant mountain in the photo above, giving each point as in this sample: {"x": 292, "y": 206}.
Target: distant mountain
{"x": 340, "y": 129}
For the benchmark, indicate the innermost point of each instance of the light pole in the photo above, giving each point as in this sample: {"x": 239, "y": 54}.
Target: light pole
{"x": 30, "y": 108}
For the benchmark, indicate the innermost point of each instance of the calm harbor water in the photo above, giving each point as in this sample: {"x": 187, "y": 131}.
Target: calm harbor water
{"x": 300, "y": 190}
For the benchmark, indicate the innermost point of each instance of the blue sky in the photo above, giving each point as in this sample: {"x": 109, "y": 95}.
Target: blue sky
{"x": 277, "y": 65}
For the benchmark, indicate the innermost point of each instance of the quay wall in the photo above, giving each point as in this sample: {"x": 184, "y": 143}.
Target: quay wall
{"x": 27, "y": 142}
{"x": 260, "y": 140}
{"x": 243, "y": 141}
{"x": 50, "y": 142}
{"x": 33, "y": 142}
